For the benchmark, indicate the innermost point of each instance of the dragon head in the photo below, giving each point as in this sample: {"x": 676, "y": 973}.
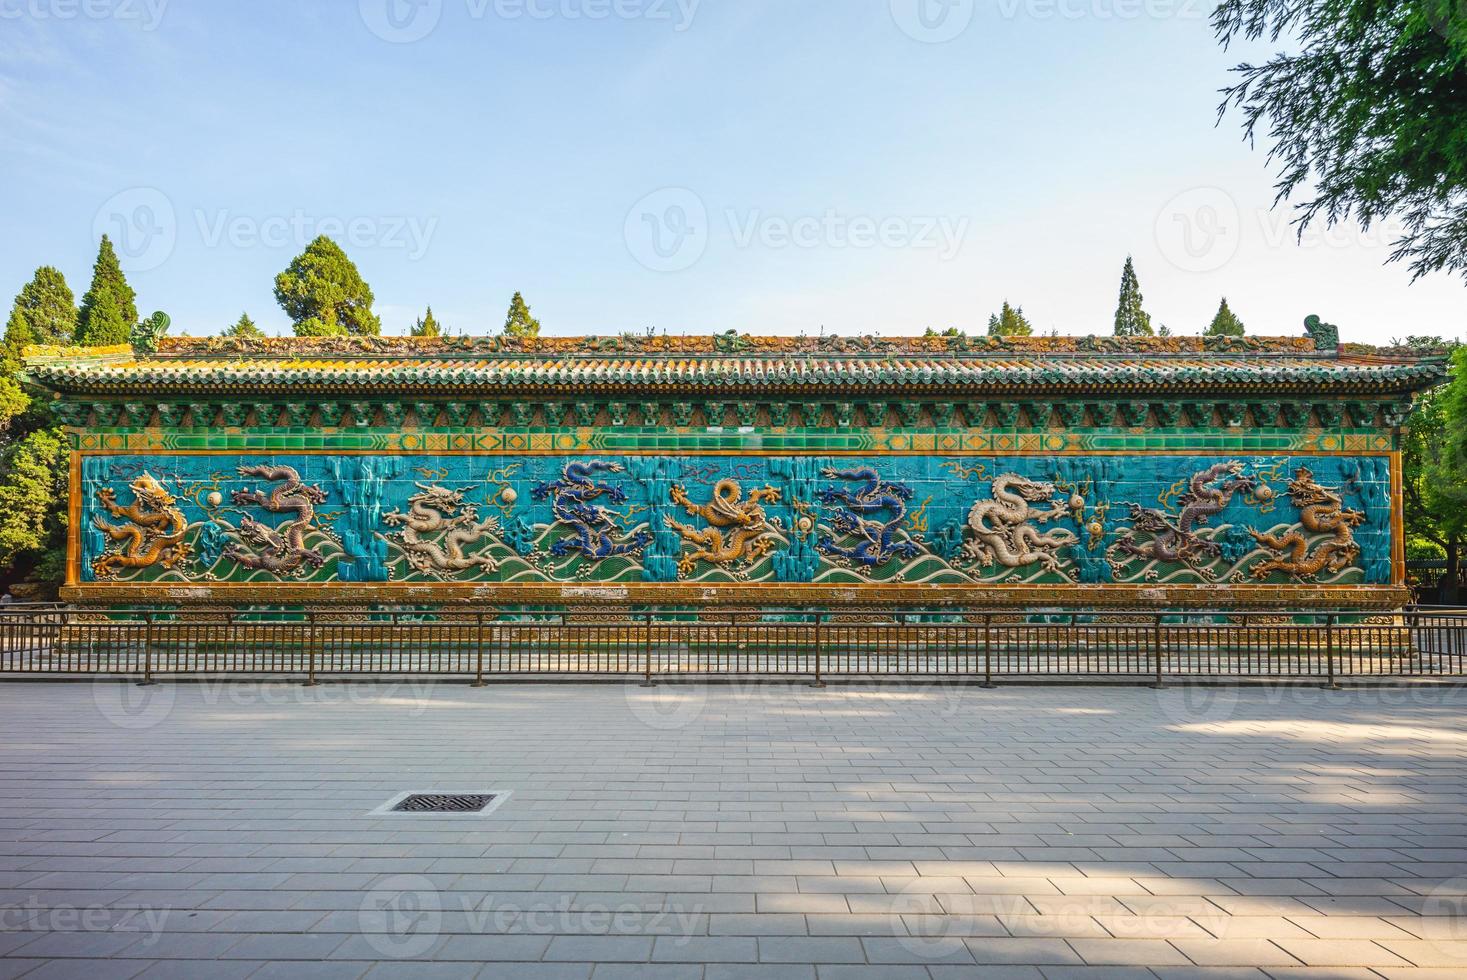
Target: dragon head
{"x": 150, "y": 492}
{"x": 1147, "y": 520}
{"x": 1034, "y": 491}
{"x": 1304, "y": 492}
{"x": 440, "y": 498}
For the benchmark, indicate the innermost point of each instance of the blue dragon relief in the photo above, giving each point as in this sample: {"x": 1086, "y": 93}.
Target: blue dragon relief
{"x": 873, "y": 514}
{"x": 595, "y": 529}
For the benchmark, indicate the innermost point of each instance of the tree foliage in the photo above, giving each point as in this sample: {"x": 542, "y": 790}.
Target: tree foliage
{"x": 109, "y": 309}
{"x": 1224, "y": 323}
{"x": 1366, "y": 114}
{"x": 1009, "y": 322}
{"x": 1132, "y": 320}
{"x": 244, "y": 327}
{"x": 518, "y": 322}
{"x": 33, "y": 479}
{"x": 427, "y": 326}
{"x": 324, "y": 295}
{"x": 1434, "y": 465}
{"x": 48, "y": 308}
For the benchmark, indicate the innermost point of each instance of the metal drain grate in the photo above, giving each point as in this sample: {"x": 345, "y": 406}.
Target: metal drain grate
{"x": 444, "y": 803}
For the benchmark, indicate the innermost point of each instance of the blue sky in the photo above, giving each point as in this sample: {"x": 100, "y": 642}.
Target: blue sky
{"x": 688, "y": 165}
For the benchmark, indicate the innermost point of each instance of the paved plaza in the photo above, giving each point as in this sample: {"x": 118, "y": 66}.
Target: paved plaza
{"x": 732, "y": 831}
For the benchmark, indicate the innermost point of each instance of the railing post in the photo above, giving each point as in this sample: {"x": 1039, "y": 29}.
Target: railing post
{"x": 819, "y": 645}
{"x": 310, "y": 649}
{"x": 1329, "y": 651}
{"x": 647, "y": 652}
{"x": 1156, "y": 650}
{"x": 147, "y": 650}
{"x": 479, "y": 650}
{"x": 988, "y": 684}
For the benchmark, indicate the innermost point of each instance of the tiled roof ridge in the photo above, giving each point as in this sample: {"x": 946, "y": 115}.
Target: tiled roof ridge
{"x": 719, "y": 347}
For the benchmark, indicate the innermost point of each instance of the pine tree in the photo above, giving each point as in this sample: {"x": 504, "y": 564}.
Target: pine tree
{"x": 109, "y": 309}
{"x": 244, "y": 327}
{"x": 324, "y": 295}
{"x": 427, "y": 326}
{"x": 1131, "y": 319}
{"x": 1009, "y": 322}
{"x": 48, "y": 308}
{"x": 519, "y": 323}
{"x": 1225, "y": 323}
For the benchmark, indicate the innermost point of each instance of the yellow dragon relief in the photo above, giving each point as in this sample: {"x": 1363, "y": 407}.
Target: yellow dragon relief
{"x": 154, "y": 532}
{"x": 1321, "y": 511}
{"x": 749, "y": 540}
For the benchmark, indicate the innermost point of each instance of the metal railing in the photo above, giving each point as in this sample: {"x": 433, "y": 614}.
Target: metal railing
{"x": 984, "y": 646}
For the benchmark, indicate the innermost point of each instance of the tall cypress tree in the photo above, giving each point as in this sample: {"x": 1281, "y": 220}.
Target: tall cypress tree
{"x": 244, "y": 327}
{"x": 47, "y": 307}
{"x": 1009, "y": 322}
{"x": 109, "y": 309}
{"x": 324, "y": 294}
{"x": 1224, "y": 323}
{"x": 518, "y": 322}
{"x": 1132, "y": 320}
{"x": 427, "y": 326}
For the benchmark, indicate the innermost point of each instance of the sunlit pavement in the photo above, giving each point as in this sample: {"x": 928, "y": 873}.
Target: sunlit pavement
{"x": 728, "y": 831}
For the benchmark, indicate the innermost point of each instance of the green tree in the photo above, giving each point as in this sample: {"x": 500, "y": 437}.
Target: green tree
{"x": 1132, "y": 320}
{"x": 1434, "y": 469}
{"x": 1225, "y": 323}
{"x": 33, "y": 479}
{"x": 13, "y": 398}
{"x": 427, "y": 326}
{"x": 1009, "y": 322}
{"x": 109, "y": 309}
{"x": 48, "y": 308}
{"x": 519, "y": 323}
{"x": 1367, "y": 114}
{"x": 244, "y": 327}
{"x": 324, "y": 295}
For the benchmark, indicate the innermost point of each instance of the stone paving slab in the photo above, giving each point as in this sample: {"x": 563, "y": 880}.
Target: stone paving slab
{"x": 760, "y": 830}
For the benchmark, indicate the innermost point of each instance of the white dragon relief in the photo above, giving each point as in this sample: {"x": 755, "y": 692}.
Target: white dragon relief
{"x": 1001, "y": 529}
{"x": 436, "y": 529}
